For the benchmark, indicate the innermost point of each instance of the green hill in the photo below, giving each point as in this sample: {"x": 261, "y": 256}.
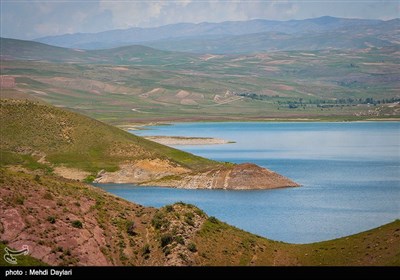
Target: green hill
{"x": 62, "y": 137}
{"x": 65, "y": 222}
{"x": 13, "y": 49}
{"x": 77, "y": 147}
{"x": 29, "y": 50}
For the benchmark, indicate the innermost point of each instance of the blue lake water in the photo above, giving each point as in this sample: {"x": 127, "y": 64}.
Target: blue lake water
{"x": 350, "y": 174}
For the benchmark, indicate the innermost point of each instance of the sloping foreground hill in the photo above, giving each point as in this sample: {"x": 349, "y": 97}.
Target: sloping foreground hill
{"x": 77, "y": 147}
{"x": 65, "y": 222}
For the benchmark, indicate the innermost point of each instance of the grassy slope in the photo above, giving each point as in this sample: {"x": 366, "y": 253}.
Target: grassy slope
{"x": 77, "y": 141}
{"x": 108, "y": 84}
{"x": 380, "y": 246}
{"x": 29, "y": 50}
{"x": 180, "y": 233}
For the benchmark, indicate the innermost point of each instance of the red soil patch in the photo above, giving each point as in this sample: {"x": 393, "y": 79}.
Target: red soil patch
{"x": 7, "y": 82}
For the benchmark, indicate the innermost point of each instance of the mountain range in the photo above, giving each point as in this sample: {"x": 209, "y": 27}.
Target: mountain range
{"x": 243, "y": 36}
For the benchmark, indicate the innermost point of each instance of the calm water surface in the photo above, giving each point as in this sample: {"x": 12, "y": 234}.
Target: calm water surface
{"x": 350, "y": 174}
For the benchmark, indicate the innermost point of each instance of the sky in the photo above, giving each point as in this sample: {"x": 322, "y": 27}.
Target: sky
{"x": 31, "y": 19}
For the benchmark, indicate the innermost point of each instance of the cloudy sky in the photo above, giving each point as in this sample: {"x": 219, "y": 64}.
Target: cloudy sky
{"x": 29, "y": 19}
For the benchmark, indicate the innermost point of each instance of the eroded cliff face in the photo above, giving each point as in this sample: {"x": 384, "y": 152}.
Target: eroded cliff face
{"x": 246, "y": 176}
{"x": 141, "y": 171}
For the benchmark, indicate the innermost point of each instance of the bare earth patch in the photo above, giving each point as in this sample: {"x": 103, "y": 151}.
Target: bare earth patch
{"x": 71, "y": 173}
{"x": 141, "y": 171}
{"x": 120, "y": 68}
{"x": 284, "y": 87}
{"x": 182, "y": 94}
{"x": 7, "y": 81}
{"x": 188, "y": 101}
{"x": 180, "y": 140}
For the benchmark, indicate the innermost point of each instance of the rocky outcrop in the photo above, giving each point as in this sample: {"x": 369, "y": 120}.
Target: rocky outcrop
{"x": 141, "y": 171}
{"x": 245, "y": 176}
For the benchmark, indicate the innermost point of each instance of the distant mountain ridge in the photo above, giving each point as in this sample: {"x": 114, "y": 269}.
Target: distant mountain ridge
{"x": 173, "y": 34}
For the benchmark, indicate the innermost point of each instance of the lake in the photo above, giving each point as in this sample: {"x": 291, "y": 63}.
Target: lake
{"x": 350, "y": 176}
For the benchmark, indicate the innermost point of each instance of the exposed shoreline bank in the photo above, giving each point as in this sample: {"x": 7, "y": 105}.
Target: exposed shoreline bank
{"x": 182, "y": 140}
{"x": 143, "y": 125}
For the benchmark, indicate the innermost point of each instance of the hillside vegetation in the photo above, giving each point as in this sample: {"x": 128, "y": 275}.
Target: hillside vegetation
{"x": 13, "y": 49}
{"x": 139, "y": 84}
{"x": 64, "y": 137}
{"x": 65, "y": 222}
{"x": 78, "y": 147}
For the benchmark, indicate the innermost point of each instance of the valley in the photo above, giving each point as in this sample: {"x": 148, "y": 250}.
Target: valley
{"x": 136, "y": 84}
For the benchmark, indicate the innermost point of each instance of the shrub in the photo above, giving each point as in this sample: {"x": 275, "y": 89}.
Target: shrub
{"x": 158, "y": 220}
{"x": 192, "y": 247}
{"x": 189, "y": 221}
{"x": 130, "y": 228}
{"x": 179, "y": 239}
{"x": 213, "y": 220}
{"x": 19, "y": 200}
{"x": 183, "y": 257}
{"x": 77, "y": 224}
{"x": 89, "y": 179}
{"x": 189, "y": 218}
{"x": 166, "y": 239}
{"x": 51, "y": 219}
{"x": 122, "y": 244}
{"x": 48, "y": 196}
{"x": 146, "y": 250}
{"x": 199, "y": 212}
{"x": 189, "y": 215}
{"x": 167, "y": 251}
{"x": 169, "y": 208}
